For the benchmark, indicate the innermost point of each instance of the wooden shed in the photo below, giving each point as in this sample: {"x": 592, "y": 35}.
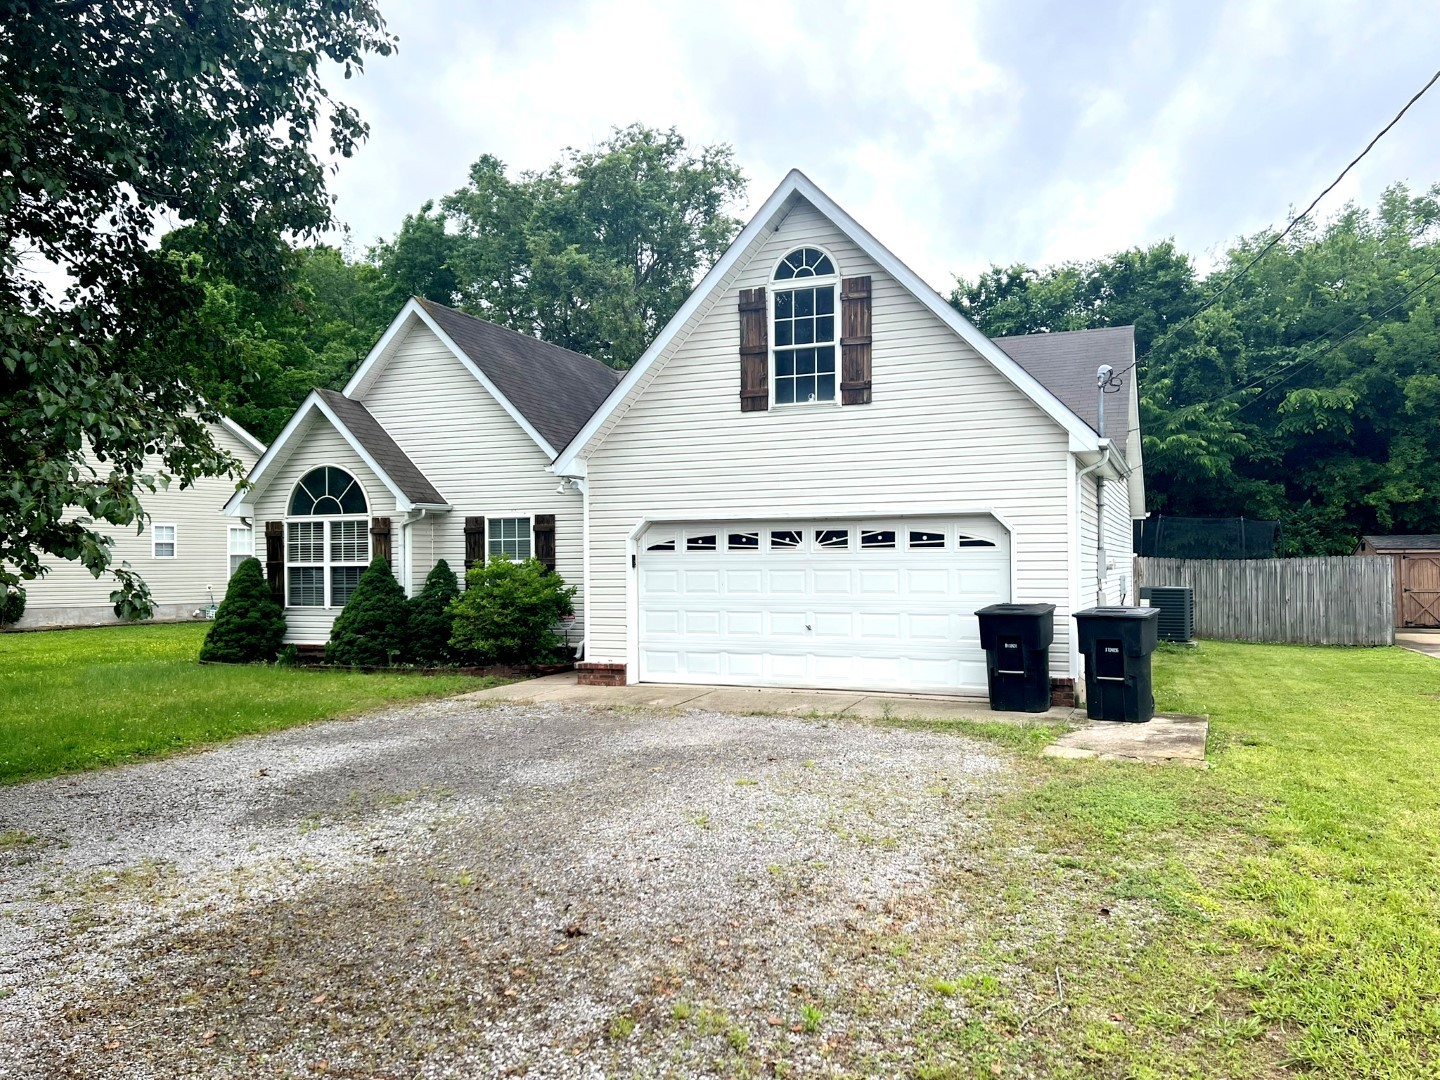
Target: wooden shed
{"x": 1417, "y": 575}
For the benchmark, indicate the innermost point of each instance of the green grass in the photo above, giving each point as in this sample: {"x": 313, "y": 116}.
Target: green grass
{"x": 82, "y": 699}
{"x": 1298, "y": 879}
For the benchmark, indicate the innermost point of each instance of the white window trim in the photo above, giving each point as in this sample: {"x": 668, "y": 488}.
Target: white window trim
{"x": 155, "y": 527}
{"x": 774, "y": 287}
{"x": 229, "y": 530}
{"x": 326, "y": 564}
{"x": 529, "y": 520}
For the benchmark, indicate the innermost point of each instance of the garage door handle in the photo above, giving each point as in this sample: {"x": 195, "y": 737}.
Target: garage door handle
{"x": 808, "y": 626}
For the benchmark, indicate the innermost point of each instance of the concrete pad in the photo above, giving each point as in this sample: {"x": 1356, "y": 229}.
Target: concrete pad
{"x": 975, "y": 710}
{"x": 1421, "y": 641}
{"x": 736, "y": 699}
{"x": 1167, "y": 738}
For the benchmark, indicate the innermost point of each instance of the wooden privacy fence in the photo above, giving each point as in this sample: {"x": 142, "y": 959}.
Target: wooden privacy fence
{"x": 1346, "y": 600}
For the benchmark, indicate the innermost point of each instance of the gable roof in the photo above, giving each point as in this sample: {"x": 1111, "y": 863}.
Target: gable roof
{"x": 1410, "y": 542}
{"x": 371, "y": 442}
{"x": 1066, "y": 362}
{"x": 383, "y": 450}
{"x": 795, "y": 187}
{"x": 549, "y": 391}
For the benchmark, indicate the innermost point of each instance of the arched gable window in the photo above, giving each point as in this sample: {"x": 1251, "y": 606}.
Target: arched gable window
{"x": 326, "y": 551}
{"x": 803, "y": 330}
{"x": 327, "y": 492}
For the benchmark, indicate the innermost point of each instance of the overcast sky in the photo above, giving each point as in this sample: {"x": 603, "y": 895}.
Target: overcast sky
{"x": 959, "y": 134}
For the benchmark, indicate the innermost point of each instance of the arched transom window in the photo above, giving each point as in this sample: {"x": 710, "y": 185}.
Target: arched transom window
{"x": 803, "y": 330}
{"x": 327, "y": 539}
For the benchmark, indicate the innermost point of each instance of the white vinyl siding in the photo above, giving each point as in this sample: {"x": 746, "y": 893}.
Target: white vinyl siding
{"x": 179, "y": 586}
{"x": 316, "y": 443}
{"x": 474, "y": 453}
{"x": 946, "y": 434}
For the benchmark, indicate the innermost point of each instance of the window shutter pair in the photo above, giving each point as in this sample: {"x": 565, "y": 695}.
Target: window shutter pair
{"x": 275, "y": 559}
{"x": 855, "y": 346}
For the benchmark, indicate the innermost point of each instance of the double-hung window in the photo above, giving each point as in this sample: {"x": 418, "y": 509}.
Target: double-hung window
{"x": 327, "y": 539}
{"x": 162, "y": 542}
{"x": 804, "y": 341}
{"x": 240, "y": 546}
{"x": 508, "y": 538}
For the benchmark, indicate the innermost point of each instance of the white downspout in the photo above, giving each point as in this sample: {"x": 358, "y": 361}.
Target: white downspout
{"x": 584, "y": 486}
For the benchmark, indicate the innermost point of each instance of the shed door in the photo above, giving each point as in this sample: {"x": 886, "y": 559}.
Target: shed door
{"x": 1420, "y": 590}
{"x": 857, "y": 604}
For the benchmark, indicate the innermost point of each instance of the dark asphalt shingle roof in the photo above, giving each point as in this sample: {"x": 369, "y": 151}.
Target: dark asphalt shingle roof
{"x": 1066, "y": 362}
{"x": 555, "y": 389}
{"x": 380, "y": 446}
{"x": 1410, "y": 542}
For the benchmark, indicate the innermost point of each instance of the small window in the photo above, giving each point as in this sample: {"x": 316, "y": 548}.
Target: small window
{"x": 832, "y": 539}
{"x": 162, "y": 541}
{"x": 920, "y": 538}
{"x": 343, "y": 580}
{"x": 877, "y": 538}
{"x": 785, "y": 539}
{"x": 307, "y": 586}
{"x": 508, "y": 538}
{"x": 327, "y": 491}
{"x": 705, "y": 542}
{"x": 349, "y": 541}
{"x": 972, "y": 541}
{"x": 305, "y": 542}
{"x": 744, "y": 541}
{"x": 805, "y": 262}
{"x": 662, "y": 545}
{"x": 241, "y": 546}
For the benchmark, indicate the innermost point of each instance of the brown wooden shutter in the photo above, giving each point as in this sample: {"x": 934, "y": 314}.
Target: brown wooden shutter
{"x": 474, "y": 541}
{"x": 275, "y": 559}
{"x": 855, "y": 341}
{"x": 754, "y": 351}
{"x": 380, "y": 539}
{"x": 545, "y": 539}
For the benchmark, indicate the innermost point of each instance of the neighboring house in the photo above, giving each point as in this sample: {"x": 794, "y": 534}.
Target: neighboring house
{"x": 1417, "y": 575}
{"x": 186, "y": 553}
{"x": 819, "y": 470}
{"x": 437, "y": 448}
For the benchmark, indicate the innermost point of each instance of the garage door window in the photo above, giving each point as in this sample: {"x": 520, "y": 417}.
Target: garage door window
{"x": 703, "y": 542}
{"x": 785, "y": 540}
{"x": 877, "y": 538}
{"x": 832, "y": 539}
{"x": 920, "y": 538}
{"x": 743, "y": 541}
{"x": 972, "y": 541}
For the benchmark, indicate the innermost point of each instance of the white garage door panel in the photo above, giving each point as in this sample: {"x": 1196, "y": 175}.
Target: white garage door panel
{"x": 821, "y": 615}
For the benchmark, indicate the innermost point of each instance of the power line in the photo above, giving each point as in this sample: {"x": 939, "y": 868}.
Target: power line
{"x": 1209, "y": 303}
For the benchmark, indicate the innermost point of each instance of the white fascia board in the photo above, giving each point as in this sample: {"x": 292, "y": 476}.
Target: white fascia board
{"x": 237, "y": 501}
{"x": 243, "y": 435}
{"x": 413, "y": 310}
{"x": 1082, "y": 436}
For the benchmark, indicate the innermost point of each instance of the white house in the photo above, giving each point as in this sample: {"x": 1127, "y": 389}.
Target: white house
{"x": 186, "y": 553}
{"x": 819, "y": 470}
{"x": 438, "y": 448}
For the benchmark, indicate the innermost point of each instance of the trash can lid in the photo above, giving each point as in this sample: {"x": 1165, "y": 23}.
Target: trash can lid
{"x": 1119, "y": 613}
{"x": 1018, "y": 609}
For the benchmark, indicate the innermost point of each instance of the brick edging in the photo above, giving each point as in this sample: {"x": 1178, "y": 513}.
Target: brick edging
{"x": 589, "y": 673}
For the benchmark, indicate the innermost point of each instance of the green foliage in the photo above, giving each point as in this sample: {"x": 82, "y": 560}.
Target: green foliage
{"x": 115, "y": 119}
{"x": 509, "y": 611}
{"x": 430, "y": 618}
{"x": 371, "y": 630}
{"x": 1252, "y": 408}
{"x": 249, "y": 624}
{"x": 12, "y": 605}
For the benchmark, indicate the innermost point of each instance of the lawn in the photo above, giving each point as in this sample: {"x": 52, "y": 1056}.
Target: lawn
{"x": 80, "y": 699}
{"x": 1293, "y": 889}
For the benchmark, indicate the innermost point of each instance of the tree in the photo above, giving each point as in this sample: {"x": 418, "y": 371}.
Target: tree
{"x": 113, "y": 119}
{"x": 371, "y": 629}
{"x": 430, "y": 617}
{"x": 509, "y": 611}
{"x": 249, "y": 625}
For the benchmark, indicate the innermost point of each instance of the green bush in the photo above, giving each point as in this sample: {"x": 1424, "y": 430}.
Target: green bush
{"x": 12, "y": 605}
{"x": 248, "y": 625}
{"x": 430, "y": 617}
{"x": 371, "y": 629}
{"x": 508, "y": 612}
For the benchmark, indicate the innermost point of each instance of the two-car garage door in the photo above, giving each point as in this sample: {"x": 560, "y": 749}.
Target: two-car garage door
{"x": 868, "y": 604}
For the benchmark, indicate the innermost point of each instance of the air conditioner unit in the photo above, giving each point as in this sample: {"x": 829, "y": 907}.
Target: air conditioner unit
{"x": 1177, "y": 610}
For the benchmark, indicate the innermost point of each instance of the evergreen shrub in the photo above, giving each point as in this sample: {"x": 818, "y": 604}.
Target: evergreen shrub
{"x": 430, "y": 617}
{"x": 249, "y": 625}
{"x": 509, "y": 611}
{"x": 371, "y": 629}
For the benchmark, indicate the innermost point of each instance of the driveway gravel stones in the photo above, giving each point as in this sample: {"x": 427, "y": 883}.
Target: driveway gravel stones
{"x": 449, "y": 889}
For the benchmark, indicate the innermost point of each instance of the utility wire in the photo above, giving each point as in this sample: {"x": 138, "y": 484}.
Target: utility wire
{"x": 1214, "y": 298}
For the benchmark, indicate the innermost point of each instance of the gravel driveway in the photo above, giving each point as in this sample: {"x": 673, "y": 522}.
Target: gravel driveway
{"x": 448, "y": 889}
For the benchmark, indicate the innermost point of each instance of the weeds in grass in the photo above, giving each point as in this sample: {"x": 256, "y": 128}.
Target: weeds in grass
{"x": 622, "y": 1026}
{"x": 811, "y": 1017}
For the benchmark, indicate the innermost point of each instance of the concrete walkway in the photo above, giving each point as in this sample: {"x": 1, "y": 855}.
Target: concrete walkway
{"x": 1165, "y": 739}
{"x": 1421, "y": 641}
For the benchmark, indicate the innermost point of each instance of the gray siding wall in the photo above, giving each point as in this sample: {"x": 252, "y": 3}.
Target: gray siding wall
{"x": 945, "y": 433}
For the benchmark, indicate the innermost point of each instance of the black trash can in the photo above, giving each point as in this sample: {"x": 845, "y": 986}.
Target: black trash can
{"x": 1116, "y": 643}
{"x": 1016, "y": 639}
